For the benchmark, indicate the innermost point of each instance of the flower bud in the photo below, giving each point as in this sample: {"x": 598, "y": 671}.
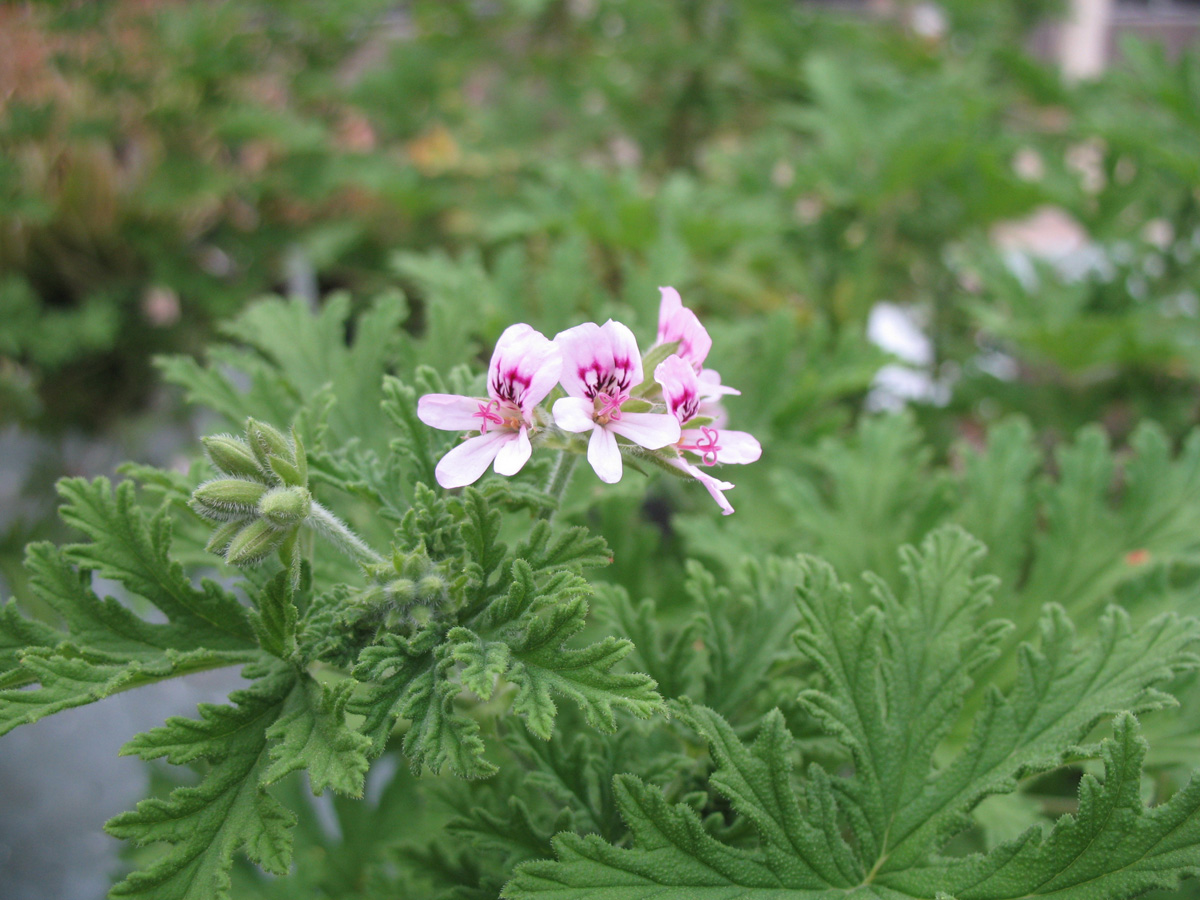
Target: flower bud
{"x": 254, "y": 543}
{"x": 402, "y": 591}
{"x": 285, "y": 506}
{"x": 431, "y": 586}
{"x": 222, "y": 536}
{"x": 266, "y": 441}
{"x": 227, "y": 498}
{"x": 232, "y": 456}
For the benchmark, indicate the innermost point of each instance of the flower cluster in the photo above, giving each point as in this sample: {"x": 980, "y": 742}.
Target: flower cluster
{"x": 674, "y": 419}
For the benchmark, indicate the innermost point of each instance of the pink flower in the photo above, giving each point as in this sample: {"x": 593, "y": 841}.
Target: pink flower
{"x": 601, "y": 365}
{"x": 525, "y": 367}
{"x": 687, "y": 394}
{"x": 678, "y": 323}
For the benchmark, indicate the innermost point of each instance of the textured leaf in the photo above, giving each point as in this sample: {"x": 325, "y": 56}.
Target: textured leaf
{"x": 311, "y": 733}
{"x": 542, "y": 666}
{"x": 892, "y": 682}
{"x": 229, "y": 811}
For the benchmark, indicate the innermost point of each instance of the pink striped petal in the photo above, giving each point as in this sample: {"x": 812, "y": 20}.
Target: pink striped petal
{"x": 574, "y": 414}
{"x": 450, "y": 412}
{"x": 525, "y": 367}
{"x": 513, "y": 454}
{"x": 680, "y": 387}
{"x": 604, "y": 456}
{"x": 738, "y": 447}
{"x": 465, "y": 463}
{"x": 599, "y": 358}
{"x": 678, "y": 323}
{"x": 650, "y": 430}
{"x": 710, "y": 384}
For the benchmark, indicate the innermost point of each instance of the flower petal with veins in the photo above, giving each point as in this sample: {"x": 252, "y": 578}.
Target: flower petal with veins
{"x": 650, "y": 430}
{"x": 514, "y": 453}
{"x": 465, "y": 463}
{"x": 604, "y": 456}
{"x": 449, "y": 412}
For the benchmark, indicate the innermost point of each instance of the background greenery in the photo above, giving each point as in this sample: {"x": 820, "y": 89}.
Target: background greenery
{"x": 423, "y": 174}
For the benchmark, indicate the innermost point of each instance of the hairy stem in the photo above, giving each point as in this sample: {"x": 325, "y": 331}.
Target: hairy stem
{"x": 339, "y": 534}
{"x": 559, "y": 479}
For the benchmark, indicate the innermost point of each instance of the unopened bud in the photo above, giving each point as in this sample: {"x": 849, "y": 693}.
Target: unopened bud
{"x": 254, "y": 543}
{"x": 222, "y": 536}
{"x": 285, "y": 506}
{"x": 232, "y": 456}
{"x": 431, "y": 586}
{"x": 227, "y": 498}
{"x": 266, "y": 441}
{"x": 402, "y": 591}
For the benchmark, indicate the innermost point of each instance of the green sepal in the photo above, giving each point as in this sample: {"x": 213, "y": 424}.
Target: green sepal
{"x": 301, "y": 457}
{"x": 267, "y": 441}
{"x": 287, "y": 472}
{"x": 219, "y": 542}
{"x": 637, "y": 406}
{"x": 232, "y": 456}
{"x": 698, "y": 421}
{"x": 254, "y": 543}
{"x": 227, "y": 498}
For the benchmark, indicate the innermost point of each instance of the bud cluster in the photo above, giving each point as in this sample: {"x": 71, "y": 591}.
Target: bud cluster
{"x": 411, "y": 588}
{"x": 263, "y": 498}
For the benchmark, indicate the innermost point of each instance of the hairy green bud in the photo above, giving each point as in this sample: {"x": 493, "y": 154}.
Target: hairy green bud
{"x": 254, "y": 543}
{"x": 285, "y": 506}
{"x": 222, "y": 536}
{"x": 402, "y": 591}
{"x": 267, "y": 441}
{"x": 227, "y": 498}
{"x": 232, "y": 456}
{"x": 431, "y": 586}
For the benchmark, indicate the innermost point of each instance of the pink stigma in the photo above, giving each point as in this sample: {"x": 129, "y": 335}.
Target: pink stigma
{"x": 707, "y": 447}
{"x": 610, "y": 408}
{"x": 486, "y": 413}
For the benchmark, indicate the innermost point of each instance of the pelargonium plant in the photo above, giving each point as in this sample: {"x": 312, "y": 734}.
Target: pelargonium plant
{"x": 758, "y": 731}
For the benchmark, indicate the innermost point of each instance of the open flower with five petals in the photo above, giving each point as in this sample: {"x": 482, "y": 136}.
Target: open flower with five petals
{"x": 600, "y": 367}
{"x": 525, "y": 367}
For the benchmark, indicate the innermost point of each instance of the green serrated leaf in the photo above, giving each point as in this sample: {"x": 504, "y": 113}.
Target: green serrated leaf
{"x": 311, "y": 733}
{"x": 229, "y": 811}
{"x": 892, "y": 681}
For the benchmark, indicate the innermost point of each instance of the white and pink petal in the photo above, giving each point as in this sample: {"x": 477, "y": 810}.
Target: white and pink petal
{"x": 680, "y": 387}
{"x": 649, "y": 430}
{"x": 465, "y": 463}
{"x": 525, "y": 367}
{"x": 678, "y": 323}
{"x": 451, "y": 412}
{"x": 737, "y": 447}
{"x": 574, "y": 414}
{"x": 604, "y": 455}
{"x": 513, "y": 453}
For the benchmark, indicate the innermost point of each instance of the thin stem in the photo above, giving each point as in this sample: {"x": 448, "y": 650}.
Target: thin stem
{"x": 339, "y": 534}
{"x": 559, "y": 479}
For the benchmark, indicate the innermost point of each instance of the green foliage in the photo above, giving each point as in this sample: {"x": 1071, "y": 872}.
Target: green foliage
{"x": 332, "y": 674}
{"x": 893, "y": 679}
